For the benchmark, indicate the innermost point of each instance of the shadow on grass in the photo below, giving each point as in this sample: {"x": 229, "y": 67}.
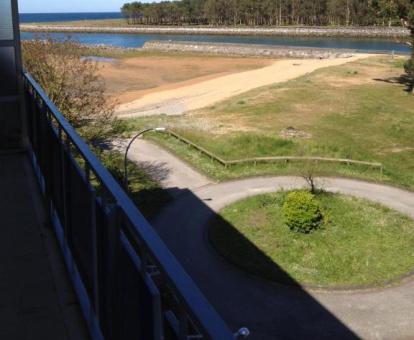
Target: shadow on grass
{"x": 242, "y": 250}
{"x": 401, "y": 80}
{"x": 270, "y": 311}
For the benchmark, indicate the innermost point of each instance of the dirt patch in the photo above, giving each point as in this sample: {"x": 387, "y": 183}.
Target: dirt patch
{"x": 130, "y": 79}
{"x": 402, "y": 149}
{"x": 360, "y": 74}
{"x": 257, "y": 219}
{"x": 290, "y": 133}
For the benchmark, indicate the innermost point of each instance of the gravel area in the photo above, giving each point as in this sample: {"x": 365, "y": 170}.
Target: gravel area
{"x": 366, "y": 32}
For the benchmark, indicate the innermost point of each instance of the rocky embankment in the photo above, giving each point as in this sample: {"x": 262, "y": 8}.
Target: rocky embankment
{"x": 247, "y": 50}
{"x": 362, "y": 32}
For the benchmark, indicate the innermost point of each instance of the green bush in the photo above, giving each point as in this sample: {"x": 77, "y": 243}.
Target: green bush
{"x": 302, "y": 212}
{"x": 409, "y": 69}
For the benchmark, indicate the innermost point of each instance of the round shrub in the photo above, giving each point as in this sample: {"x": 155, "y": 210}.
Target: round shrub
{"x": 302, "y": 212}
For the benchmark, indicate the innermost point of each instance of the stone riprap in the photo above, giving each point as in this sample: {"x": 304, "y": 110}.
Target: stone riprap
{"x": 363, "y": 32}
{"x": 248, "y": 50}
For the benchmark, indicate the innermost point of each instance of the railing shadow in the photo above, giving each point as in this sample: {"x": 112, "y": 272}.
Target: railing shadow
{"x": 269, "y": 310}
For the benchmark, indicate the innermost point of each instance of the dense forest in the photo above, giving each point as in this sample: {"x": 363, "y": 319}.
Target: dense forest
{"x": 267, "y": 12}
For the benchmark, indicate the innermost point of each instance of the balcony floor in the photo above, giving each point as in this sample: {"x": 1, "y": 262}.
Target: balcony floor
{"x": 36, "y": 297}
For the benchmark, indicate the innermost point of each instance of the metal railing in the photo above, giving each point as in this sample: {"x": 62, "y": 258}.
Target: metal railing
{"x": 129, "y": 284}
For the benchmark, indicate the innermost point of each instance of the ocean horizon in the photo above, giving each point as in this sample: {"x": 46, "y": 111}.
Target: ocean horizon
{"x": 75, "y": 16}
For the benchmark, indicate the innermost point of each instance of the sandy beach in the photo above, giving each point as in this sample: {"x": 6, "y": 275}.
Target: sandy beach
{"x": 129, "y": 79}
{"x": 181, "y": 99}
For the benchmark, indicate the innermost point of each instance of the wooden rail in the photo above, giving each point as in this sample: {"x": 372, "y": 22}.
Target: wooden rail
{"x": 286, "y": 159}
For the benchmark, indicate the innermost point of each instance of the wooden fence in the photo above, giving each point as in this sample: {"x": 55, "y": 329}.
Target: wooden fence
{"x": 286, "y": 159}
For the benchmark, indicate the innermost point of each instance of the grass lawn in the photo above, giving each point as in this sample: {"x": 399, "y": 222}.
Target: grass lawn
{"x": 360, "y": 244}
{"x": 358, "y": 110}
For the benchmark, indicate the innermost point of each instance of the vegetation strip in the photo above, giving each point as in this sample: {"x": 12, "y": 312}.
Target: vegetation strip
{"x": 358, "y": 245}
{"x": 256, "y": 160}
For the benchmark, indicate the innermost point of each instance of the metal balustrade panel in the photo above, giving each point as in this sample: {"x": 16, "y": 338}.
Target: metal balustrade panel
{"x": 80, "y": 231}
{"x": 108, "y": 235}
{"x": 125, "y": 276}
{"x": 140, "y": 304}
{"x": 55, "y": 179}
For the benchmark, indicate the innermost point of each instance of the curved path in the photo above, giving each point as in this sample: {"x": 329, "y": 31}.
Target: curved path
{"x": 279, "y": 312}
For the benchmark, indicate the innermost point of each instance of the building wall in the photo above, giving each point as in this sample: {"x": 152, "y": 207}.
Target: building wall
{"x": 10, "y": 67}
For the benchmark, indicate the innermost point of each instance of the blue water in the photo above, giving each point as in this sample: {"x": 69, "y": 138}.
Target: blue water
{"x": 54, "y": 17}
{"x": 138, "y": 40}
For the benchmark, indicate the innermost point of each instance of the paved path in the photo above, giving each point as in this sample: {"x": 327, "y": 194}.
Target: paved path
{"x": 170, "y": 171}
{"x": 274, "y": 311}
{"x": 199, "y": 95}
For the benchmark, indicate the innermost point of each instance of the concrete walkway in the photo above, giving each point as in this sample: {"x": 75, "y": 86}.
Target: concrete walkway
{"x": 170, "y": 171}
{"x": 36, "y": 296}
{"x": 275, "y": 311}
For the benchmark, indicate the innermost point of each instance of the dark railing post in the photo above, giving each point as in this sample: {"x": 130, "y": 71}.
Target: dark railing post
{"x": 95, "y": 253}
{"x": 110, "y": 308}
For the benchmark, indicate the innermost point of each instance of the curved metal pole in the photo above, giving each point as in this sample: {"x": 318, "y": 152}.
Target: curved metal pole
{"x": 126, "y": 156}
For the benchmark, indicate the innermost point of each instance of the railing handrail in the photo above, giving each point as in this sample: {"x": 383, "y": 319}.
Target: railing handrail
{"x": 271, "y": 158}
{"x": 199, "y": 309}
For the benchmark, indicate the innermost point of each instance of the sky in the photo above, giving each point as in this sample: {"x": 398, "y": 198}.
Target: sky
{"x": 62, "y": 6}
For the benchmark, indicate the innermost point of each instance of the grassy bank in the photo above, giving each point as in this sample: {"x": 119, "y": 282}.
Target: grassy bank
{"x": 359, "y": 110}
{"x": 360, "y": 244}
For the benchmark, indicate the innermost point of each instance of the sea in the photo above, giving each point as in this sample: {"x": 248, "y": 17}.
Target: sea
{"x": 55, "y": 17}
{"x": 138, "y": 40}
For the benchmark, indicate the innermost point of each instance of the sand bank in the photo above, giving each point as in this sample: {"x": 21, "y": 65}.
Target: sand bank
{"x": 206, "y": 93}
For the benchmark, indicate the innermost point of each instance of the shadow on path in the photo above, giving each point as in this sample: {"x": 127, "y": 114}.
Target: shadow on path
{"x": 270, "y": 311}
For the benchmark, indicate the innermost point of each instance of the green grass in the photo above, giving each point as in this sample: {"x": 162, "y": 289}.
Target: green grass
{"x": 360, "y": 244}
{"x": 355, "y": 111}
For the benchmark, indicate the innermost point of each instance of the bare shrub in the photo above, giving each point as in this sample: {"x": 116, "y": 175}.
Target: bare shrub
{"x": 72, "y": 83}
{"x": 308, "y": 172}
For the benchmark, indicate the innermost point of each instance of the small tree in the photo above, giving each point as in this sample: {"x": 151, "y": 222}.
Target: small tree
{"x": 72, "y": 83}
{"x": 308, "y": 172}
{"x": 406, "y": 14}
{"x": 302, "y": 212}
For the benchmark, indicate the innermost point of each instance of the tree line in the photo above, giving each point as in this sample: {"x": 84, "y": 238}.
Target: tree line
{"x": 267, "y": 12}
